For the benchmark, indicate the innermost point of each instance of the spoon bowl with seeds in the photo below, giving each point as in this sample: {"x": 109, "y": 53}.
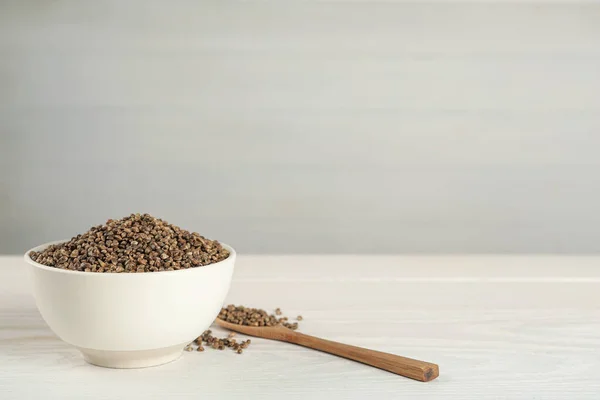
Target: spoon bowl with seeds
{"x": 257, "y": 323}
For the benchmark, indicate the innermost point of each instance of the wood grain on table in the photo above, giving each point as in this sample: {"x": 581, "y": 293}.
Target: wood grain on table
{"x": 500, "y": 327}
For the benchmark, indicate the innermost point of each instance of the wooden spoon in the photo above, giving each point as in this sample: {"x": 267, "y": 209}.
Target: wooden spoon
{"x": 414, "y": 369}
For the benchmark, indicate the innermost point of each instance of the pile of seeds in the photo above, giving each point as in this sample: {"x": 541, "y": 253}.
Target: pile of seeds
{"x": 218, "y": 344}
{"x": 255, "y": 317}
{"x": 137, "y": 243}
{"x": 242, "y": 316}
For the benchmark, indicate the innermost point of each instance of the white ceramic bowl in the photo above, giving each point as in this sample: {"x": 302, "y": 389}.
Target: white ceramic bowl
{"x": 130, "y": 320}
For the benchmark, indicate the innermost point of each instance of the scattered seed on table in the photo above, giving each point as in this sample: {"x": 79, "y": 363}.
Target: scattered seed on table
{"x": 241, "y": 315}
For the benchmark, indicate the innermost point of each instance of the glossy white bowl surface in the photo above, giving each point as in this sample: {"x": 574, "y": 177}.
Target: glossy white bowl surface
{"x": 130, "y": 320}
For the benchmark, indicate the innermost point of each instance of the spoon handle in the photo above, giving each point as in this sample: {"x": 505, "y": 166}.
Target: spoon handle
{"x": 414, "y": 369}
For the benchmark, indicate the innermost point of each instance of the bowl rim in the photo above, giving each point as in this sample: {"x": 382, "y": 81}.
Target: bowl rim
{"x": 27, "y": 258}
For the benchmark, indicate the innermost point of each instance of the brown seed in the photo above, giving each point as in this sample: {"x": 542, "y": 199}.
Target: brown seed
{"x": 253, "y": 317}
{"x": 239, "y": 351}
{"x": 278, "y": 311}
{"x": 248, "y": 316}
{"x": 200, "y": 348}
{"x": 137, "y": 243}
{"x": 188, "y": 348}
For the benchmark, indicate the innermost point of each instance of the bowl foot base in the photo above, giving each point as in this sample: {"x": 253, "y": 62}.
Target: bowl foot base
{"x": 132, "y": 359}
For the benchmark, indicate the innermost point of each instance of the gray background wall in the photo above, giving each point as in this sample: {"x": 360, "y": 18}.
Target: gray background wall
{"x": 307, "y": 126}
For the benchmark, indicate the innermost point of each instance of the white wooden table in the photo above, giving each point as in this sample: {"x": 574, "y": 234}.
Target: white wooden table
{"x": 500, "y": 327}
